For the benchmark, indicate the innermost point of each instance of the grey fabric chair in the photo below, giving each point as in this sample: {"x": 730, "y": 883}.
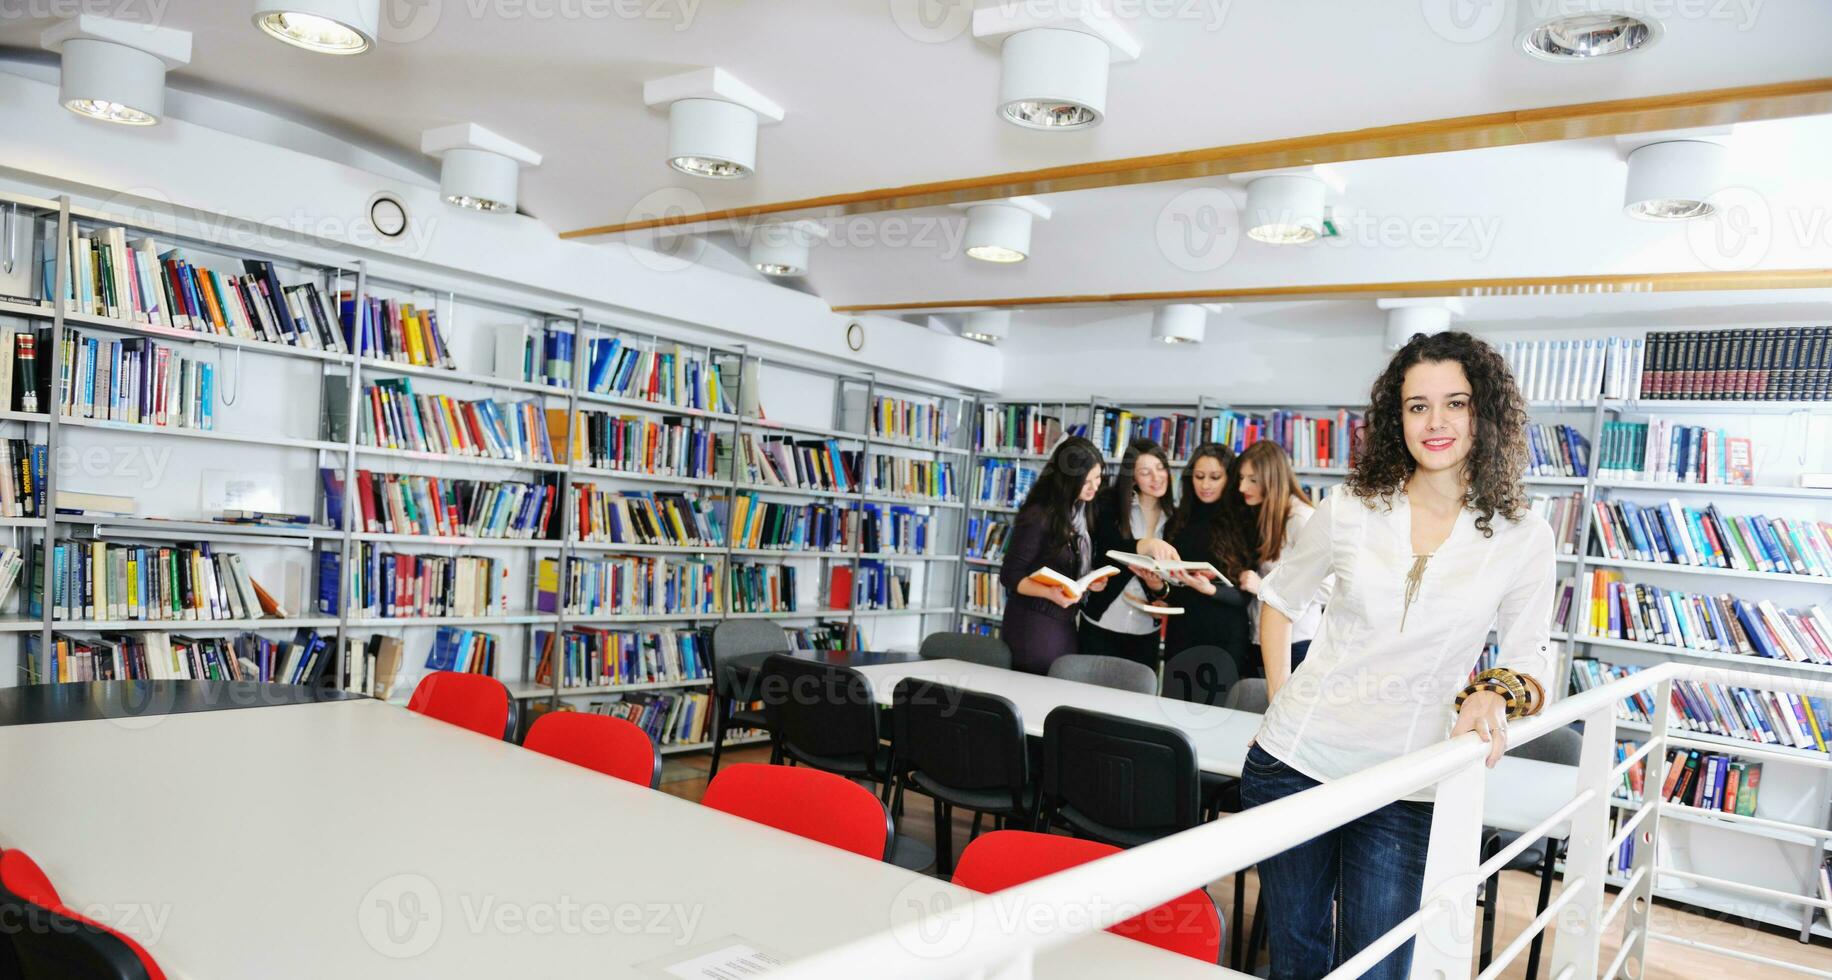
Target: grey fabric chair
{"x": 988, "y": 650}
{"x": 1561, "y": 746}
{"x": 1115, "y": 672}
{"x": 739, "y": 647}
{"x": 1248, "y": 695}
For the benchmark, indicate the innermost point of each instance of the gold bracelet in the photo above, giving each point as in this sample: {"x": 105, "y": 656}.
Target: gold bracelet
{"x": 1522, "y": 694}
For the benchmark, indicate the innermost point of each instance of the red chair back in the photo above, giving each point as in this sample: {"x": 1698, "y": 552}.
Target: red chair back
{"x": 478, "y": 702}
{"x": 1189, "y": 924}
{"x": 60, "y": 946}
{"x": 807, "y": 802}
{"x": 612, "y": 746}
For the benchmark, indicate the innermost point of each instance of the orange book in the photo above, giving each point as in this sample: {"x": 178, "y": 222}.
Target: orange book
{"x": 556, "y": 433}
{"x": 1072, "y": 587}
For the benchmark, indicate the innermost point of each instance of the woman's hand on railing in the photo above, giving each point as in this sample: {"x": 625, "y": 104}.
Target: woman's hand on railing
{"x": 1485, "y": 713}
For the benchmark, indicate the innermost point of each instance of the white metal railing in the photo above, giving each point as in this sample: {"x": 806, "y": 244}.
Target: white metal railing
{"x": 998, "y": 936}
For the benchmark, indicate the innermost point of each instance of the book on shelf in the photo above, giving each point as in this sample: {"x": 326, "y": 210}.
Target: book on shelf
{"x": 760, "y": 587}
{"x": 910, "y": 420}
{"x": 399, "y": 503}
{"x": 137, "y": 381}
{"x": 25, "y": 377}
{"x": 1564, "y": 512}
{"x": 1002, "y": 482}
{"x": 22, "y": 490}
{"x": 1575, "y": 370}
{"x": 918, "y": 479}
{"x": 591, "y": 657}
{"x": 669, "y": 717}
{"x": 877, "y": 585}
{"x": 394, "y": 417}
{"x": 839, "y": 587}
{"x": 1722, "y": 623}
{"x": 1557, "y": 450}
{"x": 1074, "y": 588}
{"x": 466, "y": 651}
{"x": 1164, "y": 567}
{"x": 1711, "y": 781}
{"x": 985, "y": 594}
{"x": 372, "y": 665}
{"x": 1322, "y": 441}
{"x": 1015, "y": 428}
{"x": 158, "y": 655}
{"x": 825, "y": 636}
{"x": 1762, "y": 364}
{"x": 389, "y": 330}
{"x": 1177, "y": 434}
{"x": 517, "y": 352}
{"x": 673, "y": 518}
{"x": 100, "y": 580}
{"x": 899, "y": 528}
{"x": 1745, "y": 714}
{"x": 389, "y": 585}
{"x": 11, "y": 564}
{"x": 815, "y": 526}
{"x": 1703, "y": 537}
{"x": 633, "y": 585}
{"x": 638, "y": 444}
{"x": 980, "y": 627}
{"x": 987, "y": 537}
{"x": 1662, "y": 451}
{"x": 680, "y": 377}
{"x": 800, "y": 464}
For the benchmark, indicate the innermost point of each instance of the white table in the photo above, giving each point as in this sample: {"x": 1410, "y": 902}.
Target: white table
{"x": 1520, "y": 794}
{"x": 355, "y": 839}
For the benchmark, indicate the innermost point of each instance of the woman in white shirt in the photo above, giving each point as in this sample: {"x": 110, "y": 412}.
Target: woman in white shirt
{"x": 1134, "y": 507}
{"x": 1274, "y": 509}
{"x": 1431, "y": 544}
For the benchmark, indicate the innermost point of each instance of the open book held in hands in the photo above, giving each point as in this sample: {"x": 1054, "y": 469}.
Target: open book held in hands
{"x": 1167, "y": 569}
{"x": 1072, "y": 587}
{"x": 1151, "y": 609}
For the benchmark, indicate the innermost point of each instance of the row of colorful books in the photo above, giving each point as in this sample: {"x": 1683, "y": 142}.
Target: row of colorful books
{"x": 135, "y": 380}
{"x": 158, "y": 655}
{"x": 762, "y": 587}
{"x": 1763, "y": 717}
{"x": 804, "y": 464}
{"x": 1573, "y": 370}
{"x": 636, "y": 444}
{"x": 1662, "y": 451}
{"x": 100, "y": 580}
{"x": 1564, "y": 512}
{"x": 1323, "y": 441}
{"x": 1768, "y": 364}
{"x": 816, "y": 526}
{"x": 631, "y": 585}
{"x": 1705, "y": 538}
{"x": 464, "y": 650}
{"x": 917, "y": 479}
{"x": 987, "y": 536}
{"x": 391, "y": 330}
{"x": 396, "y": 418}
{"x": 877, "y": 585}
{"x": 1015, "y": 428}
{"x": 908, "y": 420}
{"x": 1557, "y": 450}
{"x": 985, "y": 593}
{"x": 22, "y": 488}
{"x": 401, "y": 503}
{"x": 669, "y": 717}
{"x": 388, "y": 584}
{"x": 1002, "y": 482}
{"x": 651, "y": 518}
{"x": 593, "y": 657}
{"x": 1720, "y": 623}
{"x": 678, "y": 378}
{"x": 1711, "y": 781}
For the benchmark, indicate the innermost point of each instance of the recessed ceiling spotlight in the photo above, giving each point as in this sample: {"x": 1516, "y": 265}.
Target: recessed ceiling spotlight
{"x": 1053, "y": 64}
{"x": 1580, "y": 30}
{"x": 321, "y": 26}
{"x": 782, "y": 249}
{"x": 1180, "y": 323}
{"x": 987, "y": 326}
{"x": 1285, "y": 209}
{"x": 712, "y": 122}
{"x": 1000, "y": 231}
{"x": 479, "y": 170}
{"x": 1674, "y": 180}
{"x": 1407, "y": 318}
{"x": 114, "y": 70}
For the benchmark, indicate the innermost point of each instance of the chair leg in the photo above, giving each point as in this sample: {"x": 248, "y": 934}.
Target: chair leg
{"x": 897, "y": 801}
{"x": 884, "y": 795}
{"x": 1239, "y": 938}
{"x": 1257, "y": 938}
{"x": 1545, "y": 896}
{"x": 944, "y": 840}
{"x": 718, "y": 733}
{"x": 1490, "y": 899}
{"x": 976, "y": 825}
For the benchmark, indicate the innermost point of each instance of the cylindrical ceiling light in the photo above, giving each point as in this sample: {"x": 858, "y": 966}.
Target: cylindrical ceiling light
{"x": 1578, "y": 30}
{"x": 1285, "y": 209}
{"x": 987, "y": 326}
{"x": 479, "y": 170}
{"x": 710, "y": 138}
{"x": 321, "y": 26}
{"x": 1179, "y": 323}
{"x": 1403, "y": 322}
{"x": 998, "y": 233}
{"x": 1052, "y": 78}
{"x": 782, "y": 249}
{"x": 1673, "y": 181}
{"x": 114, "y": 71}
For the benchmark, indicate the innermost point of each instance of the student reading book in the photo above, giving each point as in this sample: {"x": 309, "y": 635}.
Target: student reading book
{"x": 1074, "y": 588}
{"x": 1050, "y": 534}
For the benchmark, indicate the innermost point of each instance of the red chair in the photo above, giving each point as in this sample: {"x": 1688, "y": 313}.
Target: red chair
{"x": 807, "y": 802}
{"x": 612, "y": 746}
{"x": 1189, "y": 924}
{"x": 478, "y": 702}
{"x": 51, "y": 940}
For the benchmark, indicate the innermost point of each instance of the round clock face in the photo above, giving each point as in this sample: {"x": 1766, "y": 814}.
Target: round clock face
{"x": 387, "y": 215}
{"x": 855, "y": 335}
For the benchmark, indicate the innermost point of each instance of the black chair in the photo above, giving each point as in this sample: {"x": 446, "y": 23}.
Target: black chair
{"x": 738, "y": 649}
{"x": 1561, "y": 746}
{"x": 823, "y": 716}
{"x": 37, "y": 943}
{"x": 988, "y": 650}
{"x": 963, "y": 749}
{"x": 1201, "y": 674}
{"x": 1116, "y": 780}
{"x": 1115, "y": 672}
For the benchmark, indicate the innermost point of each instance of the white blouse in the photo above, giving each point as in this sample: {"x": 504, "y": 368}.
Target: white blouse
{"x": 1369, "y": 690}
{"x": 1122, "y": 616}
{"x": 1303, "y": 627}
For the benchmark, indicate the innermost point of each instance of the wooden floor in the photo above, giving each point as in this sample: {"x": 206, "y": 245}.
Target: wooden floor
{"x": 685, "y": 776}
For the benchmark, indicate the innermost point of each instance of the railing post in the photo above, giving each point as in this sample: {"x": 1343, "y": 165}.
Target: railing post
{"x": 1647, "y": 837}
{"x": 1575, "y": 946}
{"x": 1446, "y": 941}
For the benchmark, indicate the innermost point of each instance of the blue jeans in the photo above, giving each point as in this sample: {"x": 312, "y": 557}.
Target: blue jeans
{"x": 1371, "y": 870}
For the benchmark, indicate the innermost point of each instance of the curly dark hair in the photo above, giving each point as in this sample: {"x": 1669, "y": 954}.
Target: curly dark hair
{"x": 1052, "y": 499}
{"x": 1499, "y": 456}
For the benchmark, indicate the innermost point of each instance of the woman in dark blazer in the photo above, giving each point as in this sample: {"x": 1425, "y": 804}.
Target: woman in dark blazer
{"x": 1051, "y": 531}
{"x": 1215, "y": 613}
